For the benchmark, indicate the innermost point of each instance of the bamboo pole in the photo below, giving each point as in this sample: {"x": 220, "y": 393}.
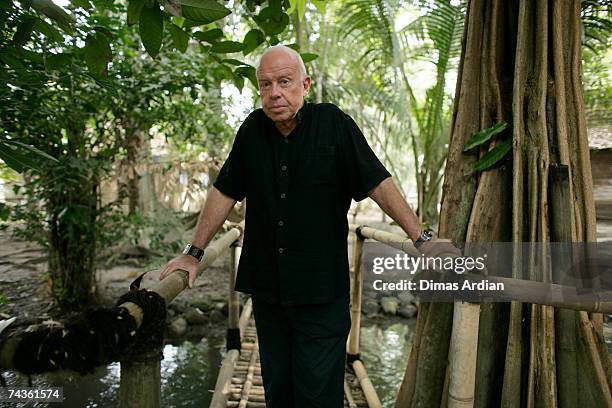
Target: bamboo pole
{"x": 234, "y": 298}
{"x": 222, "y": 387}
{"x": 353, "y": 344}
{"x": 462, "y": 355}
{"x": 349, "y": 396}
{"x": 366, "y": 385}
{"x": 140, "y": 382}
{"x": 224, "y": 378}
{"x": 246, "y": 389}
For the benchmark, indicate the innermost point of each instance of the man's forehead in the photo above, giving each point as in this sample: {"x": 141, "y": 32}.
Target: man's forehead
{"x": 276, "y": 71}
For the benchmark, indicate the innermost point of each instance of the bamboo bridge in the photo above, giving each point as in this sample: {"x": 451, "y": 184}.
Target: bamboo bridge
{"x": 239, "y": 382}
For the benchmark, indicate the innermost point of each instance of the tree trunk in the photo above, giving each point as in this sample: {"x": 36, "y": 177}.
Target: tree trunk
{"x": 520, "y": 64}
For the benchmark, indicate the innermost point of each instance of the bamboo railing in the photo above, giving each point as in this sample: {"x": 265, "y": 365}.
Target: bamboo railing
{"x": 140, "y": 381}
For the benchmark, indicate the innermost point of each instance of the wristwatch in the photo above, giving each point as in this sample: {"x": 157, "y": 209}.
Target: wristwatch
{"x": 197, "y": 253}
{"x": 425, "y": 236}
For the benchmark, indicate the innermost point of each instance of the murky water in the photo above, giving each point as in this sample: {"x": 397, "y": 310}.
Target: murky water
{"x": 189, "y": 370}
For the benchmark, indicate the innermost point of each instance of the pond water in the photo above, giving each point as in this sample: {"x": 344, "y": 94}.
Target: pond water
{"x": 189, "y": 370}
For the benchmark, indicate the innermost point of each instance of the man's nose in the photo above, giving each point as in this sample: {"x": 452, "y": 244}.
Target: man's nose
{"x": 275, "y": 91}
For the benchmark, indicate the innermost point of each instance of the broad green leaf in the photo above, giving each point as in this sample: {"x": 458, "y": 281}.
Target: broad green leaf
{"x": 301, "y": 8}
{"x": 29, "y": 148}
{"x": 484, "y": 135}
{"x": 55, "y": 13}
{"x": 105, "y": 31}
{"x": 178, "y": 21}
{"x": 307, "y": 56}
{"x": 226, "y": 47}
{"x": 210, "y": 36}
{"x": 203, "y": 11}
{"x": 57, "y": 61}
{"x": 292, "y": 6}
{"x": 294, "y": 46}
{"x": 320, "y": 5}
{"x": 134, "y": 10}
{"x": 24, "y": 31}
{"x": 20, "y": 156}
{"x": 493, "y": 156}
{"x": 233, "y": 61}
{"x": 180, "y": 39}
{"x": 249, "y": 73}
{"x": 151, "y": 28}
{"x": 97, "y": 53}
{"x": 9, "y": 59}
{"x": 48, "y": 30}
{"x": 238, "y": 81}
{"x": 84, "y": 4}
{"x": 272, "y": 20}
{"x": 252, "y": 40}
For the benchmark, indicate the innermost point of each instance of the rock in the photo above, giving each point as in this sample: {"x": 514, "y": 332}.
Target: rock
{"x": 178, "y": 327}
{"x": 407, "y": 311}
{"x": 389, "y": 305}
{"x": 198, "y": 331}
{"x": 405, "y": 298}
{"x": 193, "y": 315}
{"x": 216, "y": 315}
{"x": 369, "y": 307}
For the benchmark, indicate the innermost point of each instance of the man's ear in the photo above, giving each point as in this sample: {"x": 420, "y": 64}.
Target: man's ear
{"x": 307, "y": 82}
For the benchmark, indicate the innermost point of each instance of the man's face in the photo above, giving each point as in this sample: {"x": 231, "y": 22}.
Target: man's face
{"x": 281, "y": 86}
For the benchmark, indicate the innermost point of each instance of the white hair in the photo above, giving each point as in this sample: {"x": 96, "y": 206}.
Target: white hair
{"x": 287, "y": 50}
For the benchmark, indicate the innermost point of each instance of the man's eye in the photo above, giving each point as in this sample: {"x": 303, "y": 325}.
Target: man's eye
{"x": 284, "y": 82}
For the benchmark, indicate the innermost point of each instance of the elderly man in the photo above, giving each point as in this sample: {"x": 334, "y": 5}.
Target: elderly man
{"x": 299, "y": 164}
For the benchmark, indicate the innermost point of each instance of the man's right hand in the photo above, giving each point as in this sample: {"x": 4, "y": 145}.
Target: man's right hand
{"x": 183, "y": 262}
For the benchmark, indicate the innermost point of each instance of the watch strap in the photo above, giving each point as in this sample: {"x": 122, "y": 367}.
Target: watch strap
{"x": 197, "y": 253}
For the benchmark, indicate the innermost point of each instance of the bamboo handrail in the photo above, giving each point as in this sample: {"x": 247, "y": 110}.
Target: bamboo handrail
{"x": 366, "y": 385}
{"x": 525, "y": 291}
{"x": 168, "y": 288}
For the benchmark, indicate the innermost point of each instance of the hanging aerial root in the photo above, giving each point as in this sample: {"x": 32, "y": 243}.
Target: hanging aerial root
{"x": 93, "y": 338}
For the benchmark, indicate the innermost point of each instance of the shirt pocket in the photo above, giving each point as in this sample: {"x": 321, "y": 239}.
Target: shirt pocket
{"x": 322, "y": 168}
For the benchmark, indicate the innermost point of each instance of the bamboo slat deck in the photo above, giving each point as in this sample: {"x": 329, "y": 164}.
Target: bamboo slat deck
{"x": 247, "y": 390}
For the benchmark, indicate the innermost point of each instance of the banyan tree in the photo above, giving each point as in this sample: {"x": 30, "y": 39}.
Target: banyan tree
{"x": 520, "y": 65}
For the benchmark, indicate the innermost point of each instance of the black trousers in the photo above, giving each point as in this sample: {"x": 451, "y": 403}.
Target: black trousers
{"x": 303, "y": 352}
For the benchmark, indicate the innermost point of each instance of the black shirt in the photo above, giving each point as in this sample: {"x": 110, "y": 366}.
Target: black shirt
{"x": 298, "y": 189}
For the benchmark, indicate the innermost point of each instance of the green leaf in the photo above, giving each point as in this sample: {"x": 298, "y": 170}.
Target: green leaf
{"x": 307, "y": 56}
{"x": 105, "y": 31}
{"x": 48, "y": 30}
{"x": 252, "y": 40}
{"x": 292, "y": 6}
{"x": 180, "y": 39}
{"x": 484, "y": 135}
{"x": 55, "y": 13}
{"x": 249, "y": 73}
{"x": 57, "y": 61}
{"x": 493, "y": 156}
{"x": 134, "y": 10}
{"x": 151, "y": 28}
{"x": 233, "y": 61}
{"x": 210, "y": 36}
{"x": 24, "y": 31}
{"x": 226, "y": 47}
{"x": 272, "y": 20}
{"x": 84, "y": 4}
{"x": 19, "y": 156}
{"x": 301, "y": 7}
{"x": 238, "y": 81}
{"x": 203, "y": 11}
{"x": 9, "y": 59}
{"x": 97, "y": 53}
{"x": 320, "y": 5}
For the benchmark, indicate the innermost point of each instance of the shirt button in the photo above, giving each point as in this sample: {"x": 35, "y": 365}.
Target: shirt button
{"x": 280, "y": 250}
{"x": 281, "y": 223}
{"x": 286, "y": 140}
{"x": 283, "y": 195}
{"x": 283, "y": 167}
